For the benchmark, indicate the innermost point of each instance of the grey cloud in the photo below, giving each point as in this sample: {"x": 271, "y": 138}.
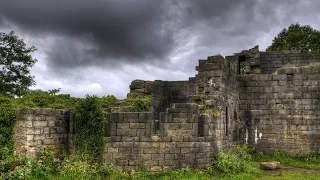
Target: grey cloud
{"x": 130, "y": 30}
{"x": 165, "y": 35}
{"x": 119, "y": 31}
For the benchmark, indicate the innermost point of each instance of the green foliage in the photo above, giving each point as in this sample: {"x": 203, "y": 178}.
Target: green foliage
{"x": 82, "y": 169}
{"x": 237, "y": 160}
{"x": 79, "y": 166}
{"x": 7, "y": 117}
{"x": 298, "y": 37}
{"x": 44, "y": 168}
{"x": 46, "y": 99}
{"x": 15, "y": 63}
{"x": 140, "y": 104}
{"x": 89, "y": 127}
{"x": 109, "y": 100}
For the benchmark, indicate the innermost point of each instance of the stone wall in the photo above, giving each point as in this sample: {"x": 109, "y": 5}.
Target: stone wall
{"x": 132, "y": 145}
{"x": 281, "y": 111}
{"x": 270, "y": 61}
{"x": 217, "y": 92}
{"x": 165, "y": 93}
{"x": 140, "y": 88}
{"x": 191, "y": 121}
{"x": 36, "y": 128}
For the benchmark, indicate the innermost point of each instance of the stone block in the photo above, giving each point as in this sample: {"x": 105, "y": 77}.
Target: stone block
{"x": 125, "y": 150}
{"x": 48, "y": 141}
{"x": 186, "y": 126}
{"x": 173, "y": 126}
{"x": 145, "y": 116}
{"x": 123, "y": 125}
{"x": 115, "y": 138}
{"x": 137, "y": 150}
{"x": 51, "y": 123}
{"x": 174, "y": 150}
{"x": 150, "y": 151}
{"x": 270, "y": 165}
{"x": 137, "y": 125}
{"x": 150, "y": 162}
{"x": 123, "y": 144}
{"x": 130, "y": 139}
{"x": 123, "y": 162}
{"x": 21, "y": 123}
{"x": 144, "y": 157}
{"x": 38, "y": 137}
{"x": 145, "y": 139}
{"x": 143, "y": 145}
{"x": 313, "y": 88}
{"x": 163, "y": 150}
{"x": 127, "y": 132}
{"x": 40, "y": 123}
{"x": 157, "y": 157}
{"x": 112, "y": 150}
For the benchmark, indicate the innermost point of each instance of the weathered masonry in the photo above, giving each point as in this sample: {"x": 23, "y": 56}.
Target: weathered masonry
{"x": 267, "y": 100}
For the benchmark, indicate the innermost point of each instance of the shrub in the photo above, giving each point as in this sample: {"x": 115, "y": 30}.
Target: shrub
{"x": 140, "y": 104}
{"x": 7, "y": 117}
{"x": 46, "y": 99}
{"x": 109, "y": 100}
{"x": 89, "y": 127}
{"x": 235, "y": 161}
{"x": 44, "y": 168}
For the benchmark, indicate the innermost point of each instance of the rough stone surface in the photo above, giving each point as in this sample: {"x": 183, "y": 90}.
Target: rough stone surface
{"x": 275, "y": 106}
{"x": 37, "y": 128}
{"x": 269, "y": 165}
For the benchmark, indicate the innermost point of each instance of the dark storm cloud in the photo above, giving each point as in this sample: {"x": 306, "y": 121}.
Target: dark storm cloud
{"x": 129, "y": 30}
{"x": 114, "y": 31}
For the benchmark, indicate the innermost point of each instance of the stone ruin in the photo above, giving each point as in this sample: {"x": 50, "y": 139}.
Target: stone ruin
{"x": 267, "y": 100}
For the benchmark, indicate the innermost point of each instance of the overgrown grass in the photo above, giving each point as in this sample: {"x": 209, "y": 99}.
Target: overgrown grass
{"x": 310, "y": 161}
{"x": 289, "y": 175}
{"x": 80, "y": 167}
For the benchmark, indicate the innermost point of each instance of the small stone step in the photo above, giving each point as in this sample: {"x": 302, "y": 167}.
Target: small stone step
{"x": 270, "y": 165}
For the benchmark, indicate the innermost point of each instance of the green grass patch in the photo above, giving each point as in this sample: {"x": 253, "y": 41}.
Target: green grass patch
{"x": 310, "y": 161}
{"x": 289, "y": 175}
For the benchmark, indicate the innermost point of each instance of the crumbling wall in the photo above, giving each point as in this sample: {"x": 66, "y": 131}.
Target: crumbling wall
{"x": 140, "y": 88}
{"x": 281, "y": 111}
{"x": 36, "y": 128}
{"x": 217, "y": 93}
{"x": 165, "y": 93}
{"x": 131, "y": 145}
{"x": 191, "y": 121}
{"x": 271, "y": 61}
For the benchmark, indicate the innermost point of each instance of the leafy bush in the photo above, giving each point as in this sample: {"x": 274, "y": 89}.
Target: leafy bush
{"x": 235, "y": 161}
{"x": 89, "y": 127}
{"x": 46, "y": 99}
{"x": 140, "y": 104}
{"x": 109, "y": 100}
{"x": 7, "y": 117}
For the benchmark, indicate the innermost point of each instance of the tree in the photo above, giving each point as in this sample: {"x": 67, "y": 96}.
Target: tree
{"x": 297, "y": 37}
{"x": 15, "y": 64}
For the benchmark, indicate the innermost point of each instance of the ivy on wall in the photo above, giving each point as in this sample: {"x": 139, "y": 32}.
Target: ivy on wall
{"x": 7, "y": 117}
{"x": 89, "y": 127}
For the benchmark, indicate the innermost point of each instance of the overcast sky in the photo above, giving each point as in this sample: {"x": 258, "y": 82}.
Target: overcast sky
{"x": 100, "y": 46}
